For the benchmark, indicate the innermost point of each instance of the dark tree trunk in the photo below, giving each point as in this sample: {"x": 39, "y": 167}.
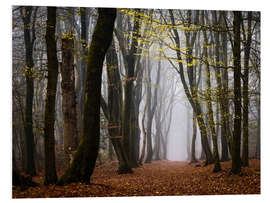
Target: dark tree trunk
{"x": 245, "y": 91}
{"x": 69, "y": 98}
{"x": 50, "y": 170}
{"x": 258, "y": 138}
{"x": 226, "y": 135}
{"x": 224, "y": 145}
{"x": 85, "y": 157}
{"x": 236, "y": 161}
{"x": 210, "y": 114}
{"x": 26, "y": 14}
{"x": 128, "y": 139}
{"x": 82, "y": 72}
{"x": 21, "y": 180}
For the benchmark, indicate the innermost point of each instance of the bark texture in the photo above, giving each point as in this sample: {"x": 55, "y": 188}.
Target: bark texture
{"x": 85, "y": 157}
{"x": 50, "y": 170}
{"x": 29, "y": 40}
{"x": 69, "y": 97}
{"x": 236, "y": 143}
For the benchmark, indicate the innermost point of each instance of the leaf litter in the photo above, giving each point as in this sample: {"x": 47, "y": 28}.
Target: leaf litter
{"x": 160, "y": 178}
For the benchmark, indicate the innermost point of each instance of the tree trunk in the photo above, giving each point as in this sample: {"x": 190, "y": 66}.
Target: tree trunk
{"x": 224, "y": 105}
{"x": 236, "y": 161}
{"x": 152, "y": 105}
{"x": 29, "y": 74}
{"x": 115, "y": 107}
{"x": 188, "y": 134}
{"x": 84, "y": 18}
{"x": 69, "y": 97}
{"x": 193, "y": 143}
{"x": 245, "y": 91}
{"x": 128, "y": 107}
{"x": 210, "y": 114}
{"x": 85, "y": 157}
{"x": 192, "y": 94}
{"x": 258, "y": 138}
{"x": 50, "y": 170}
{"x": 143, "y": 128}
{"x": 224, "y": 145}
{"x": 137, "y": 101}
{"x": 149, "y": 116}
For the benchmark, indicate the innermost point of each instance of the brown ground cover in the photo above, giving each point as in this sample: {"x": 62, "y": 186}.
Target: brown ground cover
{"x": 155, "y": 179}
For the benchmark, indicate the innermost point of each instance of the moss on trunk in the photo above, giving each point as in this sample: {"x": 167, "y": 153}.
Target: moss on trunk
{"x": 85, "y": 157}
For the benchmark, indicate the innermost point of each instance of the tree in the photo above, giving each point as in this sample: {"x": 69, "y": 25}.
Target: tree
{"x": 85, "y": 157}
{"x": 84, "y": 20}
{"x": 113, "y": 109}
{"x": 236, "y": 161}
{"x": 191, "y": 92}
{"x": 69, "y": 97}
{"x": 210, "y": 115}
{"x": 29, "y": 39}
{"x": 193, "y": 142}
{"x": 151, "y": 108}
{"x": 224, "y": 105}
{"x": 50, "y": 170}
{"x": 128, "y": 105}
{"x": 247, "y": 46}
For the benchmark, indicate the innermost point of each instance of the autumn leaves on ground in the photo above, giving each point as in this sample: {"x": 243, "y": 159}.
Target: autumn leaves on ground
{"x": 158, "y": 178}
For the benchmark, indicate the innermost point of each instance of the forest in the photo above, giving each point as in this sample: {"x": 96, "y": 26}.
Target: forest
{"x": 135, "y": 102}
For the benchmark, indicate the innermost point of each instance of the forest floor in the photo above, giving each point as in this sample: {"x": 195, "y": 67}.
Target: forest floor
{"x": 156, "y": 179}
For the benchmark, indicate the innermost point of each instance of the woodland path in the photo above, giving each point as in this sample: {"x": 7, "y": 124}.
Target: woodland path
{"x": 155, "y": 179}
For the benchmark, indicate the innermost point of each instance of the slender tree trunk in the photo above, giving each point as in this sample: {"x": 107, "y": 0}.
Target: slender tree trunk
{"x": 143, "y": 128}
{"x": 149, "y": 114}
{"x": 193, "y": 143}
{"x": 210, "y": 115}
{"x": 29, "y": 74}
{"x": 236, "y": 160}
{"x": 226, "y": 135}
{"x": 137, "y": 101}
{"x": 258, "y": 139}
{"x": 82, "y": 73}
{"x": 85, "y": 157}
{"x": 188, "y": 134}
{"x": 69, "y": 98}
{"x": 159, "y": 152}
{"x": 193, "y": 97}
{"x": 245, "y": 92}
{"x": 152, "y": 105}
{"x": 50, "y": 170}
{"x": 224, "y": 145}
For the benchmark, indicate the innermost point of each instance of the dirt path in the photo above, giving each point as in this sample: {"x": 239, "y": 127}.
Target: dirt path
{"x": 157, "y": 178}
